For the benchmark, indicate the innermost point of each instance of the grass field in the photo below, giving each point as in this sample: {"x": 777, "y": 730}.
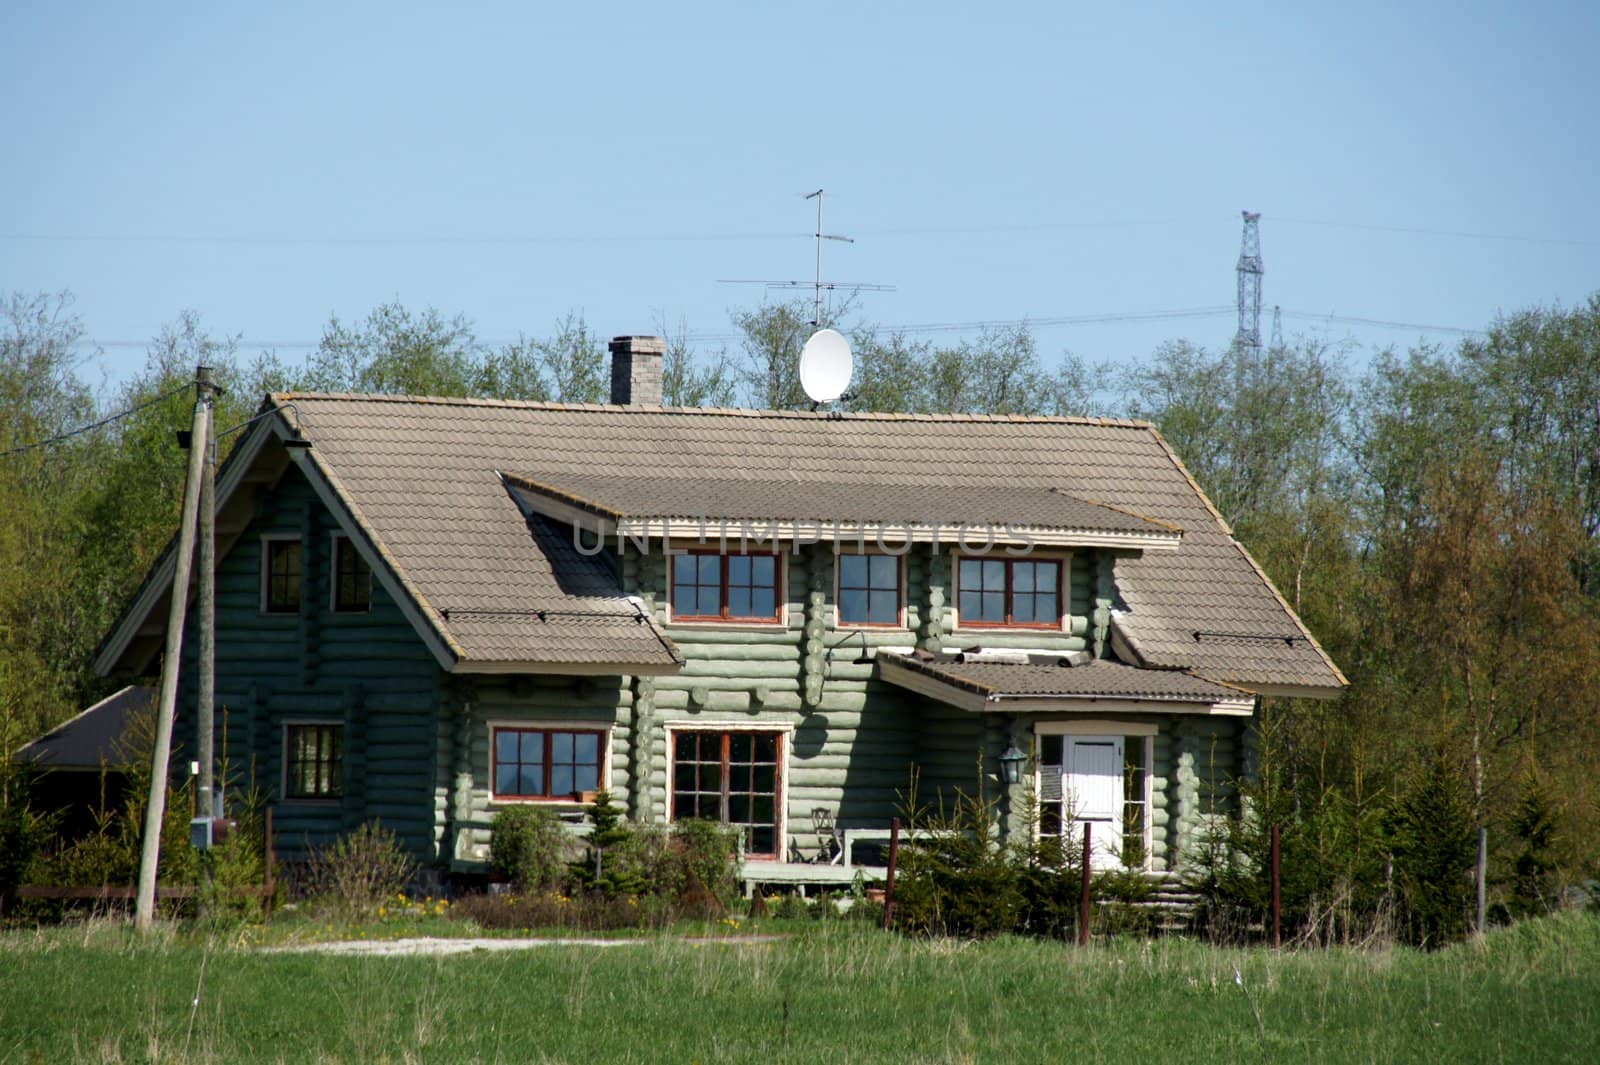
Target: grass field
{"x": 833, "y": 992}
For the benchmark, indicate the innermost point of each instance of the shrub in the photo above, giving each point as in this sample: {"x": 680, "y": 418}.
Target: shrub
{"x": 704, "y": 854}
{"x": 357, "y": 872}
{"x": 529, "y": 847}
{"x": 1435, "y": 851}
{"x": 953, "y": 879}
{"x": 24, "y": 833}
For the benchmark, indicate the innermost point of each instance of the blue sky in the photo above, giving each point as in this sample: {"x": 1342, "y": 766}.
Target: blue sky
{"x": 1430, "y": 164}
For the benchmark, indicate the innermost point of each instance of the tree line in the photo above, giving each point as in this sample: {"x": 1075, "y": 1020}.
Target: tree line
{"x": 1433, "y": 514}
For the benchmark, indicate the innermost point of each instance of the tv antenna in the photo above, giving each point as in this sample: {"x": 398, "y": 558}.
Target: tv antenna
{"x": 817, "y": 285}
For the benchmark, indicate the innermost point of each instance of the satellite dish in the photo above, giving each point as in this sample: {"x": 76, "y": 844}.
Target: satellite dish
{"x": 826, "y": 365}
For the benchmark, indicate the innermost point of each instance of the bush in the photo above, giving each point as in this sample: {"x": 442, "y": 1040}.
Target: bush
{"x": 24, "y": 833}
{"x": 358, "y": 872}
{"x": 954, "y": 881}
{"x": 1435, "y": 852}
{"x": 701, "y": 854}
{"x": 529, "y": 847}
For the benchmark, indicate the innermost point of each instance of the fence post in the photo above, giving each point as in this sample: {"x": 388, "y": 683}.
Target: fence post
{"x": 1083, "y": 903}
{"x": 888, "y": 890}
{"x": 269, "y": 860}
{"x": 1277, "y": 893}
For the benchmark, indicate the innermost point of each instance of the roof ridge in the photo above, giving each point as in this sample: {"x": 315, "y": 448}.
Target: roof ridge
{"x": 281, "y": 398}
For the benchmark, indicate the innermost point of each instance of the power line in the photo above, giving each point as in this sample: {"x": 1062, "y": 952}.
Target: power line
{"x": 95, "y": 425}
{"x": 973, "y": 326}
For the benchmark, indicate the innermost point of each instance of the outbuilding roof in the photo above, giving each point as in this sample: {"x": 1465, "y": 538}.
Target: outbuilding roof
{"x": 92, "y": 739}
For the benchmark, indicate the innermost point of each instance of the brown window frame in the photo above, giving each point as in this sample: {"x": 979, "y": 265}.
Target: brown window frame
{"x": 327, "y": 751}
{"x": 1061, "y": 566}
{"x": 899, "y": 621}
{"x": 548, "y": 762}
{"x": 362, "y": 602}
{"x": 725, "y": 739}
{"x": 272, "y": 575}
{"x": 723, "y": 615}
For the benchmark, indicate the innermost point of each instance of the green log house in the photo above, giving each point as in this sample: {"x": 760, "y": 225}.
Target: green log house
{"x": 430, "y": 609}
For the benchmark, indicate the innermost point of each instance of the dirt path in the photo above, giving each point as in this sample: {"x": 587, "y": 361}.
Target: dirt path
{"x": 438, "y": 945}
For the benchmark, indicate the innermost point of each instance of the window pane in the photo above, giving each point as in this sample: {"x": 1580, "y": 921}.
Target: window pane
{"x": 1047, "y": 576}
{"x": 531, "y": 780}
{"x": 738, "y": 570}
{"x": 505, "y": 780}
{"x": 885, "y": 608}
{"x": 710, "y": 569}
{"x": 764, "y": 569}
{"x": 764, "y": 809}
{"x": 740, "y": 747}
{"x": 738, "y": 807}
{"x": 561, "y": 780}
{"x": 994, "y": 606}
{"x": 971, "y": 574}
{"x": 885, "y": 571}
{"x": 852, "y": 605}
{"x": 765, "y": 778}
{"x": 683, "y": 569}
{"x": 587, "y": 777}
{"x": 684, "y": 746}
{"x": 766, "y": 746}
{"x": 971, "y": 605}
{"x": 739, "y": 604}
{"x": 505, "y": 746}
{"x": 1045, "y": 607}
{"x": 763, "y": 603}
{"x": 852, "y": 571}
{"x": 710, "y": 776}
{"x": 561, "y": 746}
{"x": 684, "y": 599}
{"x": 683, "y": 776}
{"x": 710, "y": 601}
{"x": 533, "y": 747}
{"x": 763, "y": 840}
{"x": 588, "y": 747}
{"x": 1022, "y": 577}
{"x": 994, "y": 576}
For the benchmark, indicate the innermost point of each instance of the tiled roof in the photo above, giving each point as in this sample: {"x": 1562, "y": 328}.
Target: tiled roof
{"x": 422, "y": 472}
{"x": 785, "y": 497}
{"x": 1098, "y": 679}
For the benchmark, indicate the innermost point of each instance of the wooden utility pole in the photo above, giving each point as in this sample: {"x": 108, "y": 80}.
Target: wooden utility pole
{"x": 155, "y": 809}
{"x": 205, "y": 701}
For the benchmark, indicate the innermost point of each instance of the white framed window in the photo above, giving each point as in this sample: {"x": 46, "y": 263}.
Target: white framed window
{"x": 282, "y": 573}
{"x": 542, "y": 761}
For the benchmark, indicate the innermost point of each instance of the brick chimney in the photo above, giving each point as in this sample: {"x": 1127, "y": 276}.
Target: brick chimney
{"x": 636, "y": 370}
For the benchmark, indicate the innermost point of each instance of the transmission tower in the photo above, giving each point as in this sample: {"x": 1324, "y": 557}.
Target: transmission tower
{"x": 1249, "y": 335}
{"x": 1277, "y": 327}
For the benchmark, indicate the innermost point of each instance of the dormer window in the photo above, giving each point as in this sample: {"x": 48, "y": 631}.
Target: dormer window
{"x": 280, "y": 575}
{"x": 870, "y": 590}
{"x": 1009, "y": 592}
{"x": 707, "y": 586}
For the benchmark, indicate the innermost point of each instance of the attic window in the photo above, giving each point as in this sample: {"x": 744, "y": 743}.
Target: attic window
{"x": 280, "y": 575}
{"x": 352, "y": 578}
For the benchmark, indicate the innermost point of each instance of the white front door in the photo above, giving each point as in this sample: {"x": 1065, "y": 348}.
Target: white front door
{"x": 1091, "y": 774}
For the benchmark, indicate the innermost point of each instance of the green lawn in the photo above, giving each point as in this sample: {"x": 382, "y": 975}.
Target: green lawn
{"x": 830, "y": 993}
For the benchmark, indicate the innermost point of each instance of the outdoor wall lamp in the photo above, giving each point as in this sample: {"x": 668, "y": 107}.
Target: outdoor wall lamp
{"x": 862, "y": 659}
{"x": 1011, "y": 764}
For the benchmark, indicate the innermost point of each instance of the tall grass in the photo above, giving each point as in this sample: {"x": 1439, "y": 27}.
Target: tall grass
{"x": 838, "y": 993}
